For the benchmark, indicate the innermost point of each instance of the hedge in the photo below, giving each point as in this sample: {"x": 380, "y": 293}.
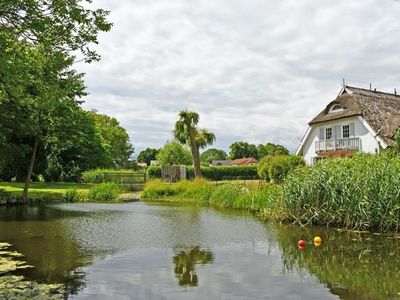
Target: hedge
{"x": 214, "y": 173}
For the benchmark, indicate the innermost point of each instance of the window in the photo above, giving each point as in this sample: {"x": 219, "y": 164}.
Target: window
{"x": 346, "y": 131}
{"x": 328, "y": 133}
{"x": 335, "y": 108}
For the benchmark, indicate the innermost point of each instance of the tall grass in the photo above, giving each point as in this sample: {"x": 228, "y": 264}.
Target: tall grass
{"x": 362, "y": 192}
{"x": 265, "y": 200}
{"x": 104, "y": 192}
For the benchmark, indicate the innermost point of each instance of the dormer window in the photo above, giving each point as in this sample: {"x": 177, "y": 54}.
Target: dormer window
{"x": 335, "y": 108}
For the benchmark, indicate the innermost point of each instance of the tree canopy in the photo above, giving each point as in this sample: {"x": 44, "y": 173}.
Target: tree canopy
{"x": 39, "y": 89}
{"x": 208, "y": 156}
{"x": 174, "y": 153}
{"x": 147, "y": 155}
{"x": 244, "y": 149}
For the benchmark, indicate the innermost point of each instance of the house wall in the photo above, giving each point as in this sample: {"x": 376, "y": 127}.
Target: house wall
{"x": 369, "y": 144}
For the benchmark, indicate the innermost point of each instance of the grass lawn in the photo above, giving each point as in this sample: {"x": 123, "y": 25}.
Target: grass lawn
{"x": 44, "y": 191}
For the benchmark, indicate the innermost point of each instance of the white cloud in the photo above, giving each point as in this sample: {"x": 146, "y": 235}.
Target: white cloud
{"x": 255, "y": 70}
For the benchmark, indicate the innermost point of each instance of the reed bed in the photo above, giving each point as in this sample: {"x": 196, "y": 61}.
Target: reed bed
{"x": 362, "y": 193}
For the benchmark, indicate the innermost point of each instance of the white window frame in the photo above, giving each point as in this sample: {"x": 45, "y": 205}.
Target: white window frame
{"x": 335, "y": 108}
{"x": 328, "y": 129}
{"x": 348, "y": 131}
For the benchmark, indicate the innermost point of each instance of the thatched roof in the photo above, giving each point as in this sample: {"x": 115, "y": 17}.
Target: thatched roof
{"x": 380, "y": 110}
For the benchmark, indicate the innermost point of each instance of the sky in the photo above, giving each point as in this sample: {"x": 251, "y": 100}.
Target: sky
{"x": 255, "y": 70}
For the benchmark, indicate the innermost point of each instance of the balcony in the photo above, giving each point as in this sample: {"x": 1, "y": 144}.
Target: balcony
{"x": 337, "y": 144}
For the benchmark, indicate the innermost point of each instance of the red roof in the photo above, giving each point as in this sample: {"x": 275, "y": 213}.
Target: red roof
{"x": 244, "y": 161}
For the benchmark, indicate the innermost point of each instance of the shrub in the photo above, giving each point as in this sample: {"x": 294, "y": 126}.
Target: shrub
{"x": 230, "y": 172}
{"x": 104, "y": 192}
{"x": 71, "y": 196}
{"x": 154, "y": 172}
{"x": 276, "y": 167}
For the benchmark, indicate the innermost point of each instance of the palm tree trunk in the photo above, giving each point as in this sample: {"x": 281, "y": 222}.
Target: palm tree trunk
{"x": 195, "y": 153}
{"x": 24, "y": 198}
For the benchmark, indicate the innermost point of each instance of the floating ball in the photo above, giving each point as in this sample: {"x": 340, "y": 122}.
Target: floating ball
{"x": 301, "y": 243}
{"x": 317, "y": 240}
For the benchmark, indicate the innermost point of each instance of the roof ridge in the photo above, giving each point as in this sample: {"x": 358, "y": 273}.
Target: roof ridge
{"x": 373, "y": 91}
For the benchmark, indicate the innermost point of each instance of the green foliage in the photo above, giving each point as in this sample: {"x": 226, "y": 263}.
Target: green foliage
{"x": 208, "y": 156}
{"x": 244, "y": 149}
{"x": 114, "y": 140}
{"x": 276, "y": 167}
{"x": 147, "y": 155}
{"x": 38, "y": 41}
{"x": 230, "y": 172}
{"x": 64, "y": 25}
{"x": 154, "y": 172}
{"x": 270, "y": 149}
{"x": 360, "y": 193}
{"x": 265, "y": 200}
{"x": 104, "y": 192}
{"x": 74, "y": 195}
{"x": 174, "y": 153}
{"x": 112, "y": 175}
{"x": 187, "y": 132}
{"x": 216, "y": 173}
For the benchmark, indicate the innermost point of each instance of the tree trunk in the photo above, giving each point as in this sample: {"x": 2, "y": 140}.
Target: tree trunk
{"x": 195, "y": 154}
{"x": 24, "y": 198}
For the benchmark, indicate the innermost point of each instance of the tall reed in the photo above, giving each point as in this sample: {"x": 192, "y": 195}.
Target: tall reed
{"x": 362, "y": 192}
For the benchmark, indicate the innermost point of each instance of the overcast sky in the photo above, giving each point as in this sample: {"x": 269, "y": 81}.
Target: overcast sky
{"x": 255, "y": 70}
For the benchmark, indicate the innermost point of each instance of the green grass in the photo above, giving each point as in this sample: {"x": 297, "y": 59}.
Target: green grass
{"x": 44, "y": 191}
{"x": 227, "y": 194}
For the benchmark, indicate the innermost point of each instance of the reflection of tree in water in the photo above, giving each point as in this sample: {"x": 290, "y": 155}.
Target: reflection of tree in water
{"x": 46, "y": 242}
{"x": 185, "y": 262}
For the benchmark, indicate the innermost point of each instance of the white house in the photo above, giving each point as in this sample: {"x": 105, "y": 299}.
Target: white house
{"x": 357, "y": 120}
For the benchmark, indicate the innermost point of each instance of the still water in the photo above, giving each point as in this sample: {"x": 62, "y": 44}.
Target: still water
{"x": 155, "y": 251}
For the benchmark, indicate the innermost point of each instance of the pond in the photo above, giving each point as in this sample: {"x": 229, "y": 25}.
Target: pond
{"x": 157, "y": 251}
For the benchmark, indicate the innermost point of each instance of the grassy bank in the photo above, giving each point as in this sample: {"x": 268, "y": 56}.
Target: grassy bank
{"x": 44, "y": 192}
{"x": 360, "y": 193}
{"x": 236, "y": 194}
{"x": 62, "y": 192}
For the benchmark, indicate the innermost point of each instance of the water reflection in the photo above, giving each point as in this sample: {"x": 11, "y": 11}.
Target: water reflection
{"x": 351, "y": 265}
{"x": 185, "y": 262}
{"x": 46, "y": 243}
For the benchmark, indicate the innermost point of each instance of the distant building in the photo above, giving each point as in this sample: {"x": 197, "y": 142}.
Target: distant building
{"x": 221, "y": 162}
{"x": 153, "y": 163}
{"x": 244, "y": 161}
{"x": 142, "y": 166}
{"x": 358, "y": 120}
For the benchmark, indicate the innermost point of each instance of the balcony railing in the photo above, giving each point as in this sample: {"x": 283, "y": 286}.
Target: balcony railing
{"x": 337, "y": 144}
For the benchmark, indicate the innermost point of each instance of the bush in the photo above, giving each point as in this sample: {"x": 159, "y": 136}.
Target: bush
{"x": 71, "y": 196}
{"x": 154, "y": 172}
{"x": 276, "y": 167}
{"x": 218, "y": 173}
{"x": 104, "y": 192}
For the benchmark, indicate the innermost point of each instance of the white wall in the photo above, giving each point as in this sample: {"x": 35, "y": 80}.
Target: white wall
{"x": 369, "y": 144}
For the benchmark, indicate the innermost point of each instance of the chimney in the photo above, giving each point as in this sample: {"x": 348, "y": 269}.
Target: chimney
{"x": 395, "y": 92}
{"x": 370, "y": 86}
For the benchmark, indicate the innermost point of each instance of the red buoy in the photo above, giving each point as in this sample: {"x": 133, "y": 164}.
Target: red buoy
{"x": 301, "y": 244}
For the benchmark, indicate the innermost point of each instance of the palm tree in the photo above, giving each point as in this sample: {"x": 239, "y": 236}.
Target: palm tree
{"x": 186, "y": 132}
